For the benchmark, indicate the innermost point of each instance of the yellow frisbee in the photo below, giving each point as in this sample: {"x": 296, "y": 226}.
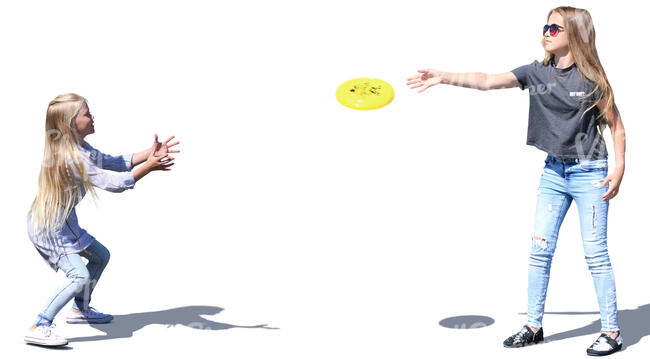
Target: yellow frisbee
{"x": 365, "y": 93}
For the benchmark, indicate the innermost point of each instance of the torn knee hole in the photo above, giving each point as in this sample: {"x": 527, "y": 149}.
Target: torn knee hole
{"x": 541, "y": 241}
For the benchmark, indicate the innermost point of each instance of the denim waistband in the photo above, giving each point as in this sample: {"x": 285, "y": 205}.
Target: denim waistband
{"x": 571, "y": 159}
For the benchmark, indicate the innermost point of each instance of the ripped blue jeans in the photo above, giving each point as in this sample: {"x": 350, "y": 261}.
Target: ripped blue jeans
{"x": 562, "y": 181}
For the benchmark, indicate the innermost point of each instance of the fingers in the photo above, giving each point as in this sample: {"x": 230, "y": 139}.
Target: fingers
{"x": 425, "y": 88}
{"x": 165, "y": 158}
{"x": 418, "y": 85}
{"x": 169, "y": 139}
{"x": 611, "y": 193}
{"x": 165, "y": 167}
{"x": 607, "y": 179}
{"x": 606, "y": 195}
{"x": 414, "y": 77}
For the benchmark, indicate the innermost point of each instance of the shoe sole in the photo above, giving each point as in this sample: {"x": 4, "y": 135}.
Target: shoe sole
{"x": 524, "y": 345}
{"x": 596, "y": 354}
{"x": 45, "y": 344}
{"x": 88, "y": 321}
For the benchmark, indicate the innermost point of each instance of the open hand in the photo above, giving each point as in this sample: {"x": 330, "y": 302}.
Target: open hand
{"x": 160, "y": 149}
{"x": 159, "y": 158}
{"x": 426, "y": 78}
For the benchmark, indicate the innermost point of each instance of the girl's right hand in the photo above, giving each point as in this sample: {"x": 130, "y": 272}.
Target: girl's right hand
{"x": 161, "y": 162}
{"x": 426, "y": 78}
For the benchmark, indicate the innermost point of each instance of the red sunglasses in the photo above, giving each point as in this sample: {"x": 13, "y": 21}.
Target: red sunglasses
{"x": 555, "y": 29}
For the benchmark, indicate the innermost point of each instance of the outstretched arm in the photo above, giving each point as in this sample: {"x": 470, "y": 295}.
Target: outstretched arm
{"x": 111, "y": 181}
{"x": 120, "y": 163}
{"x": 118, "y": 182}
{"x": 476, "y": 80}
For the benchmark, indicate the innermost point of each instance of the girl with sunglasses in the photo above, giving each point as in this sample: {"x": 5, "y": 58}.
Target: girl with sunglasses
{"x": 70, "y": 168}
{"x": 571, "y": 103}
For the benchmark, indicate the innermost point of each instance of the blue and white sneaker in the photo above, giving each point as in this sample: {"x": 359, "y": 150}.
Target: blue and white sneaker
{"x": 605, "y": 345}
{"x": 89, "y": 316}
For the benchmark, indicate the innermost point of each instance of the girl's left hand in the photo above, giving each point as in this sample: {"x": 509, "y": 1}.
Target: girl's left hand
{"x": 615, "y": 178}
{"x": 162, "y": 149}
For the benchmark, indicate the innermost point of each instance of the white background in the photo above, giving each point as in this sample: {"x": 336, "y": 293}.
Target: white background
{"x": 347, "y": 233}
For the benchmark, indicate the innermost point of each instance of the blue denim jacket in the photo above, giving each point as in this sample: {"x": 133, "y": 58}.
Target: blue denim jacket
{"x": 71, "y": 238}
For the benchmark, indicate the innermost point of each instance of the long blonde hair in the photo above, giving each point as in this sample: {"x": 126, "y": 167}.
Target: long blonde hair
{"x": 57, "y": 191}
{"x": 582, "y": 44}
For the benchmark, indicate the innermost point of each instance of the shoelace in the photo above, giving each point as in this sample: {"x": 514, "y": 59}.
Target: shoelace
{"x": 601, "y": 341}
{"x": 47, "y": 329}
{"x": 521, "y": 333}
{"x": 89, "y": 311}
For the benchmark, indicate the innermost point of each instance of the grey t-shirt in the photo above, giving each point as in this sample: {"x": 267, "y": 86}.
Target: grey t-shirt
{"x": 558, "y": 97}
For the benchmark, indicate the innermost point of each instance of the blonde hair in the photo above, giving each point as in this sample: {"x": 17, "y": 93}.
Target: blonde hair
{"x": 582, "y": 44}
{"x": 57, "y": 192}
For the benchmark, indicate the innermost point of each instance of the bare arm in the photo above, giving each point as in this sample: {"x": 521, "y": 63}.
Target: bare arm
{"x": 476, "y": 80}
{"x": 615, "y": 124}
{"x": 480, "y": 80}
{"x": 141, "y": 171}
{"x": 139, "y": 157}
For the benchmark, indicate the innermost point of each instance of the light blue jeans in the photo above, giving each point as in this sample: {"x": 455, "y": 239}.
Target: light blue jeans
{"x": 81, "y": 280}
{"x": 563, "y": 181}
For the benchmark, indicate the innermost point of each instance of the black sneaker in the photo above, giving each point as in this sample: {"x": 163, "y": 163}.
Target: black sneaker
{"x": 605, "y": 345}
{"x": 524, "y": 337}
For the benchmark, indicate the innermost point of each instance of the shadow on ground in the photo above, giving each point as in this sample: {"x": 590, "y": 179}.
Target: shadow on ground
{"x": 123, "y": 326}
{"x": 633, "y": 324}
{"x": 466, "y": 322}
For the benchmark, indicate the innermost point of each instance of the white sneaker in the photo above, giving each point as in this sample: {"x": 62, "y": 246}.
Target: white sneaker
{"x": 43, "y": 335}
{"x": 90, "y": 316}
